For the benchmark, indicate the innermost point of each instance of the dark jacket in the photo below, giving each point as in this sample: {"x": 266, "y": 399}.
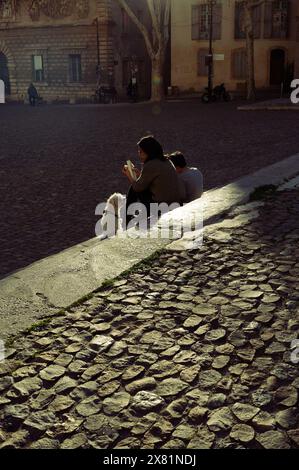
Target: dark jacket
{"x": 161, "y": 179}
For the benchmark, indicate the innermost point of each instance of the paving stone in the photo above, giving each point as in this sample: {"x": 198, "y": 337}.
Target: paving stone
{"x": 162, "y": 427}
{"x": 294, "y": 436}
{"x": 176, "y": 408}
{"x": 261, "y": 397}
{"x": 185, "y": 432}
{"x": 244, "y": 412}
{"x": 5, "y": 383}
{"x": 101, "y": 343}
{"x": 89, "y": 406}
{"x": 108, "y": 388}
{"x": 133, "y": 372}
{"x": 145, "y": 401}
{"x": 146, "y": 383}
{"x": 77, "y": 441}
{"x": 52, "y": 373}
{"x": 43, "y": 399}
{"x": 190, "y": 374}
{"x": 64, "y": 385}
{"x": 162, "y": 369}
{"x": 273, "y": 440}
{"x": 215, "y": 335}
{"x": 171, "y": 387}
{"x": 220, "y": 362}
{"x": 209, "y": 378}
{"x": 16, "y": 440}
{"x": 286, "y": 396}
{"x": 93, "y": 372}
{"x": 220, "y": 420}
{"x": 174, "y": 444}
{"x": 217, "y": 400}
{"x": 204, "y": 310}
{"x": 198, "y": 414}
{"x": 66, "y": 427}
{"x": 115, "y": 403}
{"x": 203, "y": 439}
{"x": 263, "y": 421}
{"x": 185, "y": 357}
{"x": 45, "y": 443}
{"x": 242, "y": 433}
{"x": 287, "y": 419}
{"x": 61, "y": 404}
{"x": 26, "y": 387}
{"x": 39, "y": 421}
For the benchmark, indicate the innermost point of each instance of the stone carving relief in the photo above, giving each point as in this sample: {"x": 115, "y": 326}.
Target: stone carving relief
{"x": 58, "y": 9}
{"x": 8, "y": 9}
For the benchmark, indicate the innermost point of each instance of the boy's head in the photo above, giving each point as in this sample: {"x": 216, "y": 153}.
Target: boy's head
{"x": 179, "y": 161}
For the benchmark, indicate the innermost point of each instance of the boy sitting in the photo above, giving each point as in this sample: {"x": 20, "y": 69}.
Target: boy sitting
{"x": 191, "y": 177}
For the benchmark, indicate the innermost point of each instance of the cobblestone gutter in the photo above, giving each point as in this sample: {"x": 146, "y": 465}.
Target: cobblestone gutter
{"x": 194, "y": 351}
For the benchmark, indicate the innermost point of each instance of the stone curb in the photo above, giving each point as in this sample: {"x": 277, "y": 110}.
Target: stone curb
{"x": 54, "y": 283}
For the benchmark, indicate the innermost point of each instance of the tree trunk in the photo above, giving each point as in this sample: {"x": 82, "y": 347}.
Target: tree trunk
{"x": 251, "y": 91}
{"x": 157, "y": 79}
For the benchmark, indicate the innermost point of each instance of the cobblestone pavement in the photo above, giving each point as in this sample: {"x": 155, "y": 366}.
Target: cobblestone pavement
{"x": 58, "y": 163}
{"x": 193, "y": 351}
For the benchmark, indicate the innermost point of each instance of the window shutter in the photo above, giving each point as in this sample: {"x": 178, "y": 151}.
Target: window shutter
{"x": 268, "y": 9}
{"x": 239, "y": 64}
{"x": 195, "y": 22}
{"x": 202, "y": 68}
{"x": 257, "y": 16}
{"x": 217, "y": 21}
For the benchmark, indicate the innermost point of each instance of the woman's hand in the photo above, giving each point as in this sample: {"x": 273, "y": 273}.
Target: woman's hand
{"x": 125, "y": 171}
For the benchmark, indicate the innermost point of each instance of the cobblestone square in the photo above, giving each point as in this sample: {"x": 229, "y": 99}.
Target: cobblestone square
{"x": 58, "y": 162}
{"x": 194, "y": 351}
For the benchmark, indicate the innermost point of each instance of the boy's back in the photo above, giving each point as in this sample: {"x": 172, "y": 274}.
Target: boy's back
{"x": 193, "y": 181}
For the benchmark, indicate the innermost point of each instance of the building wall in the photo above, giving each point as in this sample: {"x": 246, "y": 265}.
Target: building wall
{"x": 184, "y": 49}
{"x": 297, "y": 46}
{"x": 55, "y": 31}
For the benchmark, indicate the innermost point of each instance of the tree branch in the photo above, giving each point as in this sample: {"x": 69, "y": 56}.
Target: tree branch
{"x": 155, "y": 22}
{"x": 139, "y": 25}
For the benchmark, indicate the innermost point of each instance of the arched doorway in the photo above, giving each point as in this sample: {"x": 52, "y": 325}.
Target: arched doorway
{"x": 4, "y": 72}
{"x": 277, "y": 65}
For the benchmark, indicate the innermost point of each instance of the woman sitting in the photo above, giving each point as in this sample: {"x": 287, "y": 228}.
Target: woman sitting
{"x": 158, "y": 181}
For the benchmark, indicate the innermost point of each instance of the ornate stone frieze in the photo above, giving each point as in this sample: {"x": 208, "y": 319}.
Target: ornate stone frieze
{"x": 8, "y": 9}
{"x": 58, "y": 9}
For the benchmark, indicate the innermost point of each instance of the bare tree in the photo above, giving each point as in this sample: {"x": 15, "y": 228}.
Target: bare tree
{"x": 248, "y": 28}
{"x": 156, "y": 39}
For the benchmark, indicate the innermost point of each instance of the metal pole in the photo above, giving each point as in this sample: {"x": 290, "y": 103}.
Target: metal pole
{"x": 210, "y": 83}
{"x": 98, "y": 47}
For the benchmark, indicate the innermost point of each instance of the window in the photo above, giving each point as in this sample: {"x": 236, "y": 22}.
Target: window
{"x": 38, "y": 68}
{"x": 202, "y": 68}
{"x": 239, "y": 18}
{"x": 276, "y": 23}
{"x": 200, "y": 18}
{"x": 75, "y": 68}
{"x": 239, "y": 64}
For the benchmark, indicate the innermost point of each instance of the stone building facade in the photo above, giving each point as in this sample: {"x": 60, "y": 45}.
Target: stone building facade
{"x": 58, "y": 44}
{"x": 275, "y": 43}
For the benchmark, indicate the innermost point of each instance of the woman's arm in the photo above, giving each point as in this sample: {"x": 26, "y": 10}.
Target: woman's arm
{"x": 145, "y": 179}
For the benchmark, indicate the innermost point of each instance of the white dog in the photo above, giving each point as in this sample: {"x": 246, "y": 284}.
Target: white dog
{"x": 112, "y": 220}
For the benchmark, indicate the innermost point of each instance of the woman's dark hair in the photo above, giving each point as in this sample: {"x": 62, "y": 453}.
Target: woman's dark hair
{"x": 178, "y": 159}
{"x": 152, "y": 148}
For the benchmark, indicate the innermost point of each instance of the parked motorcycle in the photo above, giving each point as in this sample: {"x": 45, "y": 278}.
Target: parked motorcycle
{"x": 219, "y": 93}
